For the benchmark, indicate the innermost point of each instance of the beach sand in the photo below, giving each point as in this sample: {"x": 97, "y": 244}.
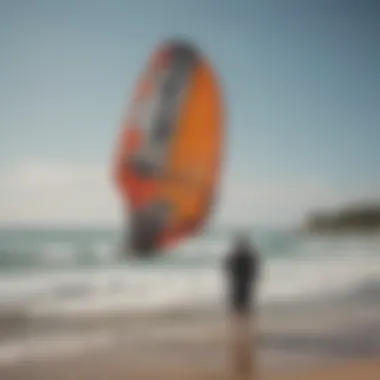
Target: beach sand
{"x": 149, "y": 366}
{"x": 337, "y": 341}
{"x": 362, "y": 370}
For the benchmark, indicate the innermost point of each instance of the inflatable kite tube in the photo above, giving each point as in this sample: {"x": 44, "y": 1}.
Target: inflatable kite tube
{"x": 169, "y": 151}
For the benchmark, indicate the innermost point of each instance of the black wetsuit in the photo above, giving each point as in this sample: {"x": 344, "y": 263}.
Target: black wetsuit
{"x": 243, "y": 269}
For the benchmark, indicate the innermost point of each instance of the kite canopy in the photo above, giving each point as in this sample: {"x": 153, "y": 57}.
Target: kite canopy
{"x": 168, "y": 154}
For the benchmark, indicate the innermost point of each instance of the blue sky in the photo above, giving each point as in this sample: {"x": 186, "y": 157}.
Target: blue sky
{"x": 301, "y": 82}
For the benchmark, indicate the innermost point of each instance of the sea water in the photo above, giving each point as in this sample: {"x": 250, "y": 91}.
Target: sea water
{"x": 53, "y": 273}
{"x": 84, "y": 271}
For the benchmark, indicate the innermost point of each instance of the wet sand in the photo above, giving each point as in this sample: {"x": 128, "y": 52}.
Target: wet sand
{"x": 149, "y": 366}
{"x": 361, "y": 370}
{"x": 334, "y": 341}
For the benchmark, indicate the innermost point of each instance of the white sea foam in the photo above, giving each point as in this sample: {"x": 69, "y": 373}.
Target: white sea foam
{"x": 294, "y": 268}
{"x": 129, "y": 289}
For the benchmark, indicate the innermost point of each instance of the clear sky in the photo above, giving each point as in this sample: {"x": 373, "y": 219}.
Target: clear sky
{"x": 301, "y": 82}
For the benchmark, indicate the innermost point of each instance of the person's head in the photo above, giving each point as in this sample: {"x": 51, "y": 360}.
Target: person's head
{"x": 242, "y": 240}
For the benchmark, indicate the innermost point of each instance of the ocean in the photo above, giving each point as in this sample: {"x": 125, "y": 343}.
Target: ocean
{"x": 82, "y": 271}
{"x": 52, "y": 274}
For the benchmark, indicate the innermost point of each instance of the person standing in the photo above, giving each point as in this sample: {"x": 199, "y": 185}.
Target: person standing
{"x": 242, "y": 267}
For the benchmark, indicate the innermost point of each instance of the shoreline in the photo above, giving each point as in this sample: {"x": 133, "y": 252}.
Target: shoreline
{"x": 179, "y": 363}
{"x": 291, "y": 340}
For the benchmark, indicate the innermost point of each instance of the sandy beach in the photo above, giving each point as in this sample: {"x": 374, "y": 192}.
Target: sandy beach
{"x": 149, "y": 366}
{"x": 337, "y": 341}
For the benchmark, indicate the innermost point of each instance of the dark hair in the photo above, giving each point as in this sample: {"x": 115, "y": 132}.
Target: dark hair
{"x": 242, "y": 239}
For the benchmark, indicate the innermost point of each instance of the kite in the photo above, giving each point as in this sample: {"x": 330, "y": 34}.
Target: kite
{"x": 169, "y": 151}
